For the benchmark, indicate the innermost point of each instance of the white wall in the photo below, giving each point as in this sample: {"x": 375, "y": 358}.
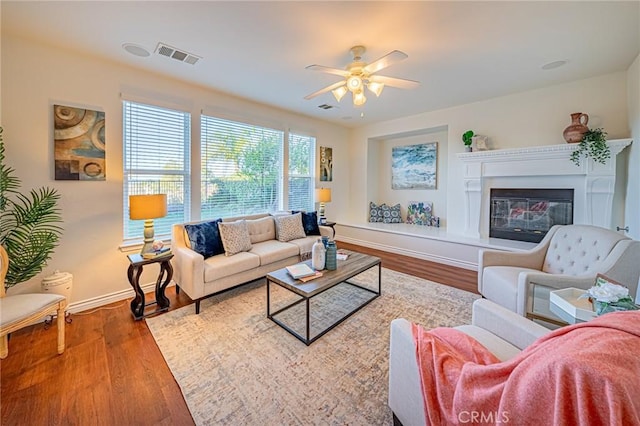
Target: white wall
{"x": 632, "y": 205}
{"x": 35, "y": 76}
{"x": 530, "y": 118}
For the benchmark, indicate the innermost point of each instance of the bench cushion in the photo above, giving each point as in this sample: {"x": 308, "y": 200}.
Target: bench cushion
{"x": 273, "y": 251}
{"x": 221, "y": 266}
{"x": 20, "y": 306}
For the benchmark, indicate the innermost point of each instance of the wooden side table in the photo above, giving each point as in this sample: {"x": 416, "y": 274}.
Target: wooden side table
{"x": 137, "y": 263}
{"x": 331, "y": 225}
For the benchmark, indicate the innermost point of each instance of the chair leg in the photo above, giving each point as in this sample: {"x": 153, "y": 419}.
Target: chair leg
{"x": 61, "y": 325}
{"x": 4, "y": 346}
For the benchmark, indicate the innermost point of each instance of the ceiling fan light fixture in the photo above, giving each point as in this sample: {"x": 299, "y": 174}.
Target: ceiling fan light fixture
{"x": 354, "y": 83}
{"x": 359, "y": 98}
{"x": 339, "y": 92}
{"x": 375, "y": 87}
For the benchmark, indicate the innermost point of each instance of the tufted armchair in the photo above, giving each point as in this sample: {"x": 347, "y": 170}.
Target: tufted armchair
{"x": 568, "y": 256}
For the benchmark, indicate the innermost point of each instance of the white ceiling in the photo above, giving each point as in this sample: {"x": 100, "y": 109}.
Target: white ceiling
{"x": 461, "y": 52}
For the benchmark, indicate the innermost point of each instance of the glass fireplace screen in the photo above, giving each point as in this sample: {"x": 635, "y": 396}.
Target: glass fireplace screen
{"x": 527, "y": 214}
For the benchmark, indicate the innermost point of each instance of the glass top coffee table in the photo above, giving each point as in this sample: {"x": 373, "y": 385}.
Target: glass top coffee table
{"x": 319, "y": 287}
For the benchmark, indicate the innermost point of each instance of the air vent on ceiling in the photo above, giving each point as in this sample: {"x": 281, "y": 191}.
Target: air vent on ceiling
{"x": 177, "y": 54}
{"x": 325, "y": 106}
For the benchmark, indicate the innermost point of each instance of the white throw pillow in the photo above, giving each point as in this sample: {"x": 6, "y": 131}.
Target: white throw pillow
{"x": 235, "y": 237}
{"x": 289, "y": 227}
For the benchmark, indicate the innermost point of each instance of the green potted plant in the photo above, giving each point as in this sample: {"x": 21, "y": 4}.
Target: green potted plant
{"x": 29, "y": 225}
{"x": 467, "y": 140}
{"x": 594, "y": 145}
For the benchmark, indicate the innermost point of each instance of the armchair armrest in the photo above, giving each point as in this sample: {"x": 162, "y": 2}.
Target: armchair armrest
{"x": 405, "y": 390}
{"x": 506, "y": 324}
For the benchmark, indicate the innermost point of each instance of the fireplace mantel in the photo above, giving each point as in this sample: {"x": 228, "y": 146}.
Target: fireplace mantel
{"x": 547, "y": 166}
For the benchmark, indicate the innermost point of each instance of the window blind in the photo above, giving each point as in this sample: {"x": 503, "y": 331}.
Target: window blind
{"x": 301, "y": 172}
{"x": 156, "y": 161}
{"x": 241, "y": 168}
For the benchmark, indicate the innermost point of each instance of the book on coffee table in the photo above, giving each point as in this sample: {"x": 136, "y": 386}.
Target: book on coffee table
{"x": 300, "y": 270}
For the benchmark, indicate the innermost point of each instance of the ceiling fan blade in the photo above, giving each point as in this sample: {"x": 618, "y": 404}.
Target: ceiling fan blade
{"x": 328, "y": 70}
{"x": 400, "y": 83}
{"x": 385, "y": 61}
{"x": 325, "y": 90}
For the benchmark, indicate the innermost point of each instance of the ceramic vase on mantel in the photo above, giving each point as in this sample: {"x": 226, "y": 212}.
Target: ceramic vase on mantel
{"x": 576, "y": 130}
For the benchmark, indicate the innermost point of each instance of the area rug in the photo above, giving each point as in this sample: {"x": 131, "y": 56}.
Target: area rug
{"x": 235, "y": 366}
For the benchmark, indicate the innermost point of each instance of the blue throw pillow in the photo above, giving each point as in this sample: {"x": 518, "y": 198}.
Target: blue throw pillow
{"x": 205, "y": 238}
{"x": 309, "y": 222}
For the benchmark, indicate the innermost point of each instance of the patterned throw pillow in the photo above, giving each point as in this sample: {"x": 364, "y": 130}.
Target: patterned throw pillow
{"x": 375, "y": 212}
{"x": 391, "y": 214}
{"x": 235, "y": 237}
{"x": 289, "y": 227}
{"x": 205, "y": 238}
{"x": 309, "y": 222}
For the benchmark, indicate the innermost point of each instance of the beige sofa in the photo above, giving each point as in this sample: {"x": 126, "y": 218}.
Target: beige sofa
{"x": 500, "y": 330}
{"x": 200, "y": 278}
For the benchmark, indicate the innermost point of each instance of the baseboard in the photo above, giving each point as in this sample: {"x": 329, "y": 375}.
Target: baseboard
{"x": 96, "y": 302}
{"x": 411, "y": 253}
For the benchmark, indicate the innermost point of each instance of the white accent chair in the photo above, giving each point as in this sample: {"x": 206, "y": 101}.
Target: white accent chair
{"x": 568, "y": 256}
{"x": 21, "y": 310}
{"x": 498, "y": 329}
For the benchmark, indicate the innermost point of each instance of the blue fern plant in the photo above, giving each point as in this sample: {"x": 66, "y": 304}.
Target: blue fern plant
{"x": 29, "y": 225}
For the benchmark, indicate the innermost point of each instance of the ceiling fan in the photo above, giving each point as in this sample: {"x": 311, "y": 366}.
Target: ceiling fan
{"x": 358, "y": 75}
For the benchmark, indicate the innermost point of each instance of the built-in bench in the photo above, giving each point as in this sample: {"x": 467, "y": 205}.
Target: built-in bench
{"x": 424, "y": 242}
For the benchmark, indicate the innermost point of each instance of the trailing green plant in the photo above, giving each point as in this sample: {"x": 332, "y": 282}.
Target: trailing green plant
{"x": 466, "y": 137}
{"x": 29, "y": 225}
{"x": 594, "y": 145}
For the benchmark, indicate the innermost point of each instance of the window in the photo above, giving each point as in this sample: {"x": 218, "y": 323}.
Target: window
{"x": 241, "y": 168}
{"x": 301, "y": 172}
{"x": 156, "y": 161}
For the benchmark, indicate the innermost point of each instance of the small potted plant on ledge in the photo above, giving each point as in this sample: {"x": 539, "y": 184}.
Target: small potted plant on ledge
{"x": 467, "y": 140}
{"x": 594, "y": 145}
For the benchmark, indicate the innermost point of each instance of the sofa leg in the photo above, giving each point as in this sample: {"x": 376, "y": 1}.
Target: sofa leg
{"x": 197, "y": 307}
{"x": 396, "y": 421}
{"x": 177, "y": 289}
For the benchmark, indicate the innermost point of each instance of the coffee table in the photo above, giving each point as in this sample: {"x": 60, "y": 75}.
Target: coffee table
{"x": 352, "y": 266}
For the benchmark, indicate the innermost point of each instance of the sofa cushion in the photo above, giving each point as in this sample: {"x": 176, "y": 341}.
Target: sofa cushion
{"x": 391, "y": 214}
{"x": 309, "y": 222}
{"x": 289, "y": 227}
{"x": 220, "y": 266}
{"x": 304, "y": 244}
{"x": 204, "y": 238}
{"x": 262, "y": 229}
{"x": 273, "y": 251}
{"x": 235, "y": 237}
{"x": 375, "y": 212}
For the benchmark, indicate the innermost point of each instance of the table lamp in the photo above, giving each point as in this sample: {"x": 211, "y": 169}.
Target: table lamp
{"x": 147, "y": 208}
{"x": 323, "y": 195}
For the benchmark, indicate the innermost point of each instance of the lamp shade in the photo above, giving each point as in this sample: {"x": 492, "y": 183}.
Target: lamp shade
{"x": 323, "y": 195}
{"x": 143, "y": 207}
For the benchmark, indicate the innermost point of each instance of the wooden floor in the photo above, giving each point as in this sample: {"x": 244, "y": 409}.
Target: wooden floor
{"x": 112, "y": 372}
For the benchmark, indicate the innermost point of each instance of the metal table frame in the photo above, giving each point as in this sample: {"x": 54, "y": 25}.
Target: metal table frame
{"x": 306, "y": 299}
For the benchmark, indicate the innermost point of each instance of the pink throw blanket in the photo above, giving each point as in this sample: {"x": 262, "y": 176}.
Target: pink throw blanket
{"x": 585, "y": 374}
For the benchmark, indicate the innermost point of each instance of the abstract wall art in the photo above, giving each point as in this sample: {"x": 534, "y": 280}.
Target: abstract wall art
{"x": 326, "y": 164}
{"x": 79, "y": 138}
{"x": 414, "y": 166}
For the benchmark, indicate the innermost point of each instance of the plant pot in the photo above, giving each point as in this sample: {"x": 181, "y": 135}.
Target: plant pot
{"x": 468, "y": 148}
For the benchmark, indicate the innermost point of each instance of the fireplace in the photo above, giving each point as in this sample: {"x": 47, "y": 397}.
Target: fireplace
{"x": 549, "y": 166}
{"x": 527, "y": 214}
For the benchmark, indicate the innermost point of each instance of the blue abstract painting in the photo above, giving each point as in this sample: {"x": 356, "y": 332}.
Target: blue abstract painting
{"x": 414, "y": 166}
